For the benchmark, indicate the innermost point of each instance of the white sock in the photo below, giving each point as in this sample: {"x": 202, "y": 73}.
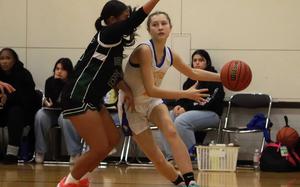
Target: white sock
{"x": 192, "y": 182}
{"x": 71, "y": 179}
{"x": 182, "y": 184}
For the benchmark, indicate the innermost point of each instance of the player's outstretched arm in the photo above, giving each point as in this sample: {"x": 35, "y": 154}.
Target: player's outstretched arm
{"x": 143, "y": 56}
{"x": 149, "y": 6}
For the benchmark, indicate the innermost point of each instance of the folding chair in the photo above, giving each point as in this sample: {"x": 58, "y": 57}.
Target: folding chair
{"x": 215, "y": 129}
{"x": 136, "y": 151}
{"x": 128, "y": 144}
{"x": 246, "y": 105}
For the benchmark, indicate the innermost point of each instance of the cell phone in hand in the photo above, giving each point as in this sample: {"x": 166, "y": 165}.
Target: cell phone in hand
{"x": 212, "y": 96}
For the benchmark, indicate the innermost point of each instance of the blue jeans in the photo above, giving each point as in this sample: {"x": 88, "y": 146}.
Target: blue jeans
{"x": 72, "y": 139}
{"x": 189, "y": 122}
{"x": 44, "y": 120}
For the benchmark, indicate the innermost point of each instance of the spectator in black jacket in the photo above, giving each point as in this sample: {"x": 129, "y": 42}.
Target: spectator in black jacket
{"x": 190, "y": 116}
{"x": 19, "y": 106}
{"x": 50, "y": 115}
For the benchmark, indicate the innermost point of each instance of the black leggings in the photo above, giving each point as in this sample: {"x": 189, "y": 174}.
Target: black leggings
{"x": 14, "y": 118}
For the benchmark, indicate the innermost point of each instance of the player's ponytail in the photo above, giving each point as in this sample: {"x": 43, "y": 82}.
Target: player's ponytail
{"x": 115, "y": 9}
{"x": 111, "y": 8}
{"x": 98, "y": 24}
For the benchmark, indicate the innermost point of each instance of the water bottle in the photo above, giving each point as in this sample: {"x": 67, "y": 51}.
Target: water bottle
{"x": 212, "y": 143}
{"x": 256, "y": 158}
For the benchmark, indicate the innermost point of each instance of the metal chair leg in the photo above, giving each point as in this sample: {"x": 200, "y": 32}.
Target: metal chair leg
{"x": 219, "y": 135}
{"x": 124, "y": 147}
{"x": 139, "y": 162}
{"x": 262, "y": 144}
{"x": 127, "y": 150}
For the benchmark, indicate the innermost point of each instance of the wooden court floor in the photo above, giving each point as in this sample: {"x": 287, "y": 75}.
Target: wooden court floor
{"x": 33, "y": 175}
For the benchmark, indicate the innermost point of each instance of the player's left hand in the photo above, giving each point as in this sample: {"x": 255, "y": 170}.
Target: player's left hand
{"x": 129, "y": 101}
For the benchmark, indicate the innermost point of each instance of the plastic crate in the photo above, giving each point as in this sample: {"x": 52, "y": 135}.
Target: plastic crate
{"x": 217, "y": 158}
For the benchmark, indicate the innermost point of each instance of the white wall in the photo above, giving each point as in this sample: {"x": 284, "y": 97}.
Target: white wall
{"x": 265, "y": 34}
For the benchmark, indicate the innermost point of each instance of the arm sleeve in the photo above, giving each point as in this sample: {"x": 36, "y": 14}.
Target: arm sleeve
{"x": 47, "y": 88}
{"x": 188, "y": 83}
{"x": 25, "y": 93}
{"x": 114, "y": 33}
{"x": 53, "y": 88}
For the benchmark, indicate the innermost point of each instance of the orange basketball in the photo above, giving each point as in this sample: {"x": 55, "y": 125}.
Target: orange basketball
{"x": 236, "y": 75}
{"x": 287, "y": 136}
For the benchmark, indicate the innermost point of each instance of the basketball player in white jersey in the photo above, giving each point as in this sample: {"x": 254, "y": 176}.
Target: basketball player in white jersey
{"x": 143, "y": 73}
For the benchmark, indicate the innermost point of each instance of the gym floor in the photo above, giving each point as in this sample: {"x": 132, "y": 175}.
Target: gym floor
{"x": 47, "y": 175}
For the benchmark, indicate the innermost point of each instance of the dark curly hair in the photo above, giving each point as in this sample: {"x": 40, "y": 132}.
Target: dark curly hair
{"x": 115, "y": 8}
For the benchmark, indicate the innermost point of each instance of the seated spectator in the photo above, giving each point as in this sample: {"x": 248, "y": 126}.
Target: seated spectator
{"x": 50, "y": 114}
{"x": 19, "y": 105}
{"x": 190, "y": 116}
{"x": 72, "y": 139}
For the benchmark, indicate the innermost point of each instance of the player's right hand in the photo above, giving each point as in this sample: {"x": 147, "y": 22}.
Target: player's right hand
{"x": 128, "y": 100}
{"x": 197, "y": 95}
